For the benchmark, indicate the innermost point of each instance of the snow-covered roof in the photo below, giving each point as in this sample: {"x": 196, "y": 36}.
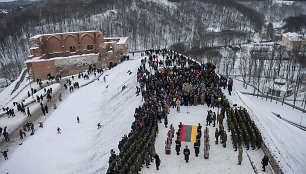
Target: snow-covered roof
{"x": 293, "y": 36}
{"x": 110, "y": 42}
{"x": 39, "y": 35}
{"x": 279, "y": 85}
{"x": 122, "y": 40}
{"x": 38, "y": 59}
{"x": 33, "y": 48}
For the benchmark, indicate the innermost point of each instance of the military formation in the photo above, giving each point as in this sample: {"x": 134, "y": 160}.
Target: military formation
{"x": 243, "y": 129}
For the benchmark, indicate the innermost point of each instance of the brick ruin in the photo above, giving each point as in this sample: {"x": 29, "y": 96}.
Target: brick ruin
{"x": 70, "y": 53}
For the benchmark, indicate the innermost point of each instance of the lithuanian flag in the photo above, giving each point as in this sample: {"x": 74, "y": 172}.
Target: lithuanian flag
{"x": 188, "y": 133}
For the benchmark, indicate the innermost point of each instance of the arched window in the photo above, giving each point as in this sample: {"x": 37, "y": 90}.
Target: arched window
{"x": 89, "y": 47}
{"x": 110, "y": 47}
{"x": 72, "y": 49}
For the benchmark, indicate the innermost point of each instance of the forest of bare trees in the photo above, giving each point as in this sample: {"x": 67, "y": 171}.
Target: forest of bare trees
{"x": 213, "y": 31}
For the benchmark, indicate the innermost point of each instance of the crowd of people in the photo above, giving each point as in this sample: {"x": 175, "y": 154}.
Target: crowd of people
{"x": 185, "y": 81}
{"x": 171, "y": 82}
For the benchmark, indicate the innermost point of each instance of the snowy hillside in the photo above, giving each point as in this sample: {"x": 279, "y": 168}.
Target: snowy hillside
{"x": 82, "y": 148}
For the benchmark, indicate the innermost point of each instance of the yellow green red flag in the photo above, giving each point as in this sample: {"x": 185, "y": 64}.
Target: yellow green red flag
{"x": 188, "y": 133}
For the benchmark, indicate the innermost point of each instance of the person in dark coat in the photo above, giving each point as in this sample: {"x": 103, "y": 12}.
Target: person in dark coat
{"x": 43, "y": 110}
{"x": 186, "y": 153}
{"x": 157, "y": 161}
{"x": 28, "y": 112}
{"x": 46, "y": 109}
{"x": 264, "y": 162}
{"x": 177, "y": 146}
{"x": 4, "y": 153}
{"x": 6, "y": 136}
{"x": 78, "y": 119}
{"x": 197, "y": 148}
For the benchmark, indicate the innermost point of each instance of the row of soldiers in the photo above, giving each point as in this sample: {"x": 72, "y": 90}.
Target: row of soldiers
{"x": 135, "y": 151}
{"x": 243, "y": 129}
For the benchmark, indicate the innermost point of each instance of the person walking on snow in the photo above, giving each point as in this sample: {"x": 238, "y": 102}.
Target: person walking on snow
{"x": 78, "y": 119}
{"x": 28, "y": 112}
{"x": 178, "y": 105}
{"x": 59, "y": 130}
{"x": 230, "y": 86}
{"x": 46, "y": 109}
{"x": 4, "y": 153}
{"x": 157, "y": 161}
{"x": 21, "y": 134}
{"x": 264, "y": 162}
{"x": 99, "y": 125}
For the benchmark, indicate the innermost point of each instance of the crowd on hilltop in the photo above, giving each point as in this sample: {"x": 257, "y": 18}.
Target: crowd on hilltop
{"x": 176, "y": 80}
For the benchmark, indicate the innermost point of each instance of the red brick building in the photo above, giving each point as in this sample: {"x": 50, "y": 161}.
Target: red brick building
{"x": 73, "y": 52}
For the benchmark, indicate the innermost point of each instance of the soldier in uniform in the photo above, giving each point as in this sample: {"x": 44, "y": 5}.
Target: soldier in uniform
{"x": 177, "y": 146}
{"x": 229, "y": 124}
{"x": 133, "y": 170}
{"x": 186, "y": 154}
{"x": 240, "y": 156}
{"x": 224, "y": 139}
{"x": 197, "y": 148}
{"x": 235, "y": 140}
{"x": 247, "y": 141}
{"x": 214, "y": 118}
{"x": 259, "y": 140}
{"x": 253, "y": 141}
{"x": 147, "y": 157}
{"x": 217, "y": 135}
{"x": 239, "y": 140}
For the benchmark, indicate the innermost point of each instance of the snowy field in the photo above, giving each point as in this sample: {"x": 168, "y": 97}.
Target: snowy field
{"x": 82, "y": 148}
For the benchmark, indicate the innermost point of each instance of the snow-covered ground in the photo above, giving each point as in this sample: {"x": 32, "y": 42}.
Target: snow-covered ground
{"x": 221, "y": 160}
{"x": 286, "y": 142}
{"x": 82, "y": 148}
{"x": 285, "y": 111}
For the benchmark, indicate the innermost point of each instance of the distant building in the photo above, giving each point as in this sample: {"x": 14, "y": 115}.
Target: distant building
{"x": 294, "y": 41}
{"x": 73, "y": 52}
{"x": 279, "y": 88}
